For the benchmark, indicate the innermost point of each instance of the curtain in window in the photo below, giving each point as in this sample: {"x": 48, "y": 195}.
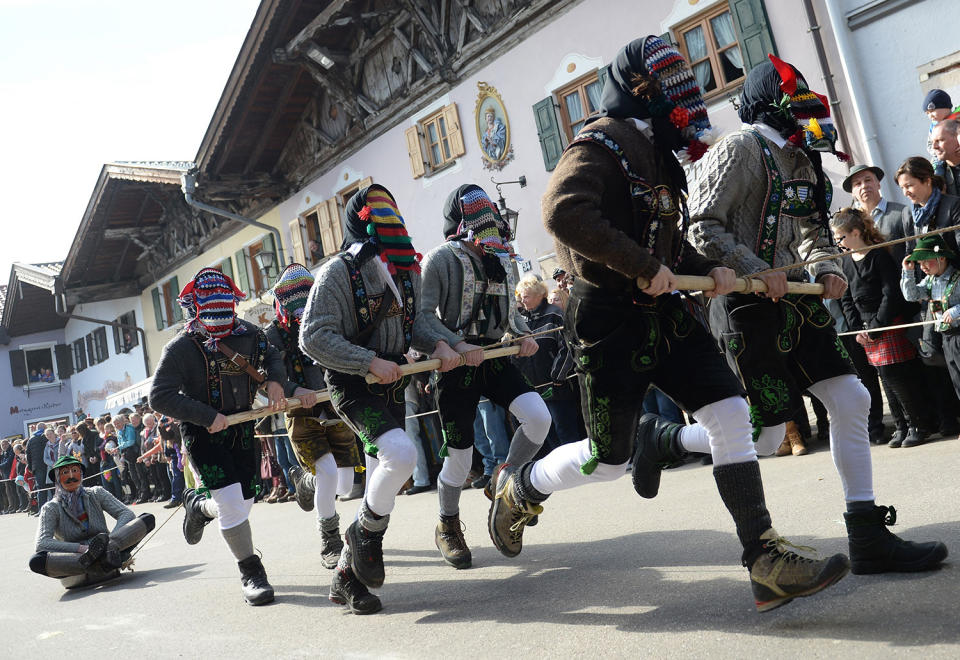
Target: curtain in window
{"x": 725, "y": 35}
{"x": 697, "y": 48}
{"x": 594, "y": 90}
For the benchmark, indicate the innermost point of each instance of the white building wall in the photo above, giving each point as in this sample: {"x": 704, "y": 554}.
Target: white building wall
{"x": 524, "y": 75}
{"x": 94, "y": 384}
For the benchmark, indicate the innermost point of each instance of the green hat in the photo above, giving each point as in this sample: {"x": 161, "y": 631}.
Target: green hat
{"x": 63, "y": 461}
{"x": 856, "y": 169}
{"x": 931, "y": 247}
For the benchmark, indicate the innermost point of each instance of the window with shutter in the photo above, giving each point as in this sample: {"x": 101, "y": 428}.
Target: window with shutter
{"x": 240, "y": 261}
{"x": 753, "y": 28}
{"x": 64, "y": 357}
{"x": 579, "y": 101}
{"x": 548, "y": 132}
{"x": 100, "y": 341}
{"x": 79, "y": 356}
{"x": 415, "y": 152}
{"x": 454, "y": 134}
{"x": 18, "y": 368}
{"x": 175, "y": 293}
{"x": 157, "y": 308}
{"x": 296, "y": 239}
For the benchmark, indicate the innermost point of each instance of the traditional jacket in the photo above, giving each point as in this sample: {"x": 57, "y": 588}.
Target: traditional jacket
{"x": 749, "y": 227}
{"x": 612, "y": 216}
{"x": 344, "y": 299}
{"x": 941, "y": 294}
{"x": 60, "y": 531}
{"x": 193, "y": 385}
{"x": 455, "y": 288}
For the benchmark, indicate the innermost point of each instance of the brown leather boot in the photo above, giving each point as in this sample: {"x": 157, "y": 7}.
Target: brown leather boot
{"x": 797, "y": 448}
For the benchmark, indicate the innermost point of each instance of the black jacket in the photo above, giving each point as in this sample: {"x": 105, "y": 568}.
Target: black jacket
{"x": 873, "y": 298}
{"x": 549, "y": 367}
{"x": 948, "y": 215}
{"x": 34, "y": 451}
{"x": 180, "y": 389}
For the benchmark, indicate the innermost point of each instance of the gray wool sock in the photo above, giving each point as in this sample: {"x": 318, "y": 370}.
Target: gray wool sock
{"x": 741, "y": 490}
{"x": 522, "y": 449}
{"x": 449, "y": 498}
{"x": 371, "y": 521}
{"x": 239, "y": 539}
{"x": 329, "y": 524}
{"x": 343, "y": 564}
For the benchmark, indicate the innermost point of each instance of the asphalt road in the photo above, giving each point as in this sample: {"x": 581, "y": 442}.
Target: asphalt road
{"x": 604, "y": 574}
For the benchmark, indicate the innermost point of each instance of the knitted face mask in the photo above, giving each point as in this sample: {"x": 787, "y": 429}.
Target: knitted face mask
{"x": 214, "y": 297}
{"x": 482, "y": 223}
{"x": 291, "y": 293}
{"x": 386, "y": 224}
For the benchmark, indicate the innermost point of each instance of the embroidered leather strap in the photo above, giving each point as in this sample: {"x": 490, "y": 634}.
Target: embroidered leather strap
{"x": 241, "y": 362}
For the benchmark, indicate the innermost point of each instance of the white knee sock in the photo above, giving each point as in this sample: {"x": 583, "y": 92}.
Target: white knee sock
{"x": 396, "y": 457}
{"x": 848, "y": 403}
{"x": 232, "y": 509}
{"x": 345, "y": 480}
{"x": 694, "y": 437}
{"x": 727, "y": 423}
{"x": 325, "y": 482}
{"x": 560, "y": 469}
{"x": 770, "y": 439}
{"x": 371, "y": 462}
{"x": 534, "y": 418}
{"x": 456, "y": 466}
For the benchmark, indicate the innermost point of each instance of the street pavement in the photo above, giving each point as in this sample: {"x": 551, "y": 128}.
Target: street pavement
{"x": 604, "y": 574}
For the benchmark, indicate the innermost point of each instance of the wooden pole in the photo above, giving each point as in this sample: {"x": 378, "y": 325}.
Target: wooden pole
{"x": 743, "y": 285}
{"x": 324, "y": 395}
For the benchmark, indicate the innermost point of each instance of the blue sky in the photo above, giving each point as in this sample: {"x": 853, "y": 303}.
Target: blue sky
{"x": 84, "y": 82}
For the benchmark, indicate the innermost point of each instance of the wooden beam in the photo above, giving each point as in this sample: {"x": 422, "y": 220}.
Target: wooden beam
{"x": 295, "y": 45}
{"x": 428, "y": 29}
{"x": 81, "y": 294}
{"x": 267, "y": 131}
{"x": 422, "y": 61}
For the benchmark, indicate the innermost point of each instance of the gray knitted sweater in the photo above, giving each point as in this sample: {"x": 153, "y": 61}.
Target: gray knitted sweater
{"x": 329, "y": 324}
{"x": 727, "y": 207}
{"x": 59, "y": 531}
{"x": 441, "y": 297}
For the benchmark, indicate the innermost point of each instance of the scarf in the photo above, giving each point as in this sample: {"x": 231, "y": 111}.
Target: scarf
{"x": 673, "y": 106}
{"x": 373, "y": 220}
{"x": 212, "y": 297}
{"x": 72, "y": 502}
{"x": 470, "y": 215}
{"x": 925, "y": 214}
{"x": 290, "y": 294}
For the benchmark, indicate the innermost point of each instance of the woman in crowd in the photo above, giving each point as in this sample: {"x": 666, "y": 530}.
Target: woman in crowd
{"x": 873, "y": 300}
{"x": 548, "y": 368}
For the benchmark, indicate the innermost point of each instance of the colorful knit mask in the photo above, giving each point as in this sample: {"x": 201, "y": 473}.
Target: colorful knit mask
{"x": 290, "y": 294}
{"x": 470, "y": 215}
{"x": 215, "y": 298}
{"x": 386, "y": 227}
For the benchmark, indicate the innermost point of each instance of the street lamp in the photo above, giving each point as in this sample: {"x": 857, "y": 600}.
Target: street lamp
{"x": 507, "y": 213}
{"x": 265, "y": 262}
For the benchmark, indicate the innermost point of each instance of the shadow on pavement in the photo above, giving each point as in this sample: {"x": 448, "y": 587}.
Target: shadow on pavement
{"x": 650, "y": 582}
{"x": 135, "y": 580}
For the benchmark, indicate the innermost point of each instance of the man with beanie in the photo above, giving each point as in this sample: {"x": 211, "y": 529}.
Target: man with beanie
{"x": 615, "y": 206}
{"x": 359, "y": 320}
{"x": 761, "y": 203}
{"x": 468, "y": 287}
{"x": 325, "y": 447}
{"x": 211, "y": 369}
{"x": 73, "y": 540}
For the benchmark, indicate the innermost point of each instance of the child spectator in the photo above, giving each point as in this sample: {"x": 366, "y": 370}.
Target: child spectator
{"x": 938, "y": 289}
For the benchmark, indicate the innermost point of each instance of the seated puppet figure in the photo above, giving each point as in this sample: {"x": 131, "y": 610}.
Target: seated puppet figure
{"x": 73, "y": 541}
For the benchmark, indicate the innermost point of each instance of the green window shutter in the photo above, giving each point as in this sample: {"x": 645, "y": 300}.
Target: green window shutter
{"x": 548, "y": 130}
{"x": 240, "y": 260}
{"x": 227, "y": 268}
{"x": 602, "y": 74}
{"x": 177, "y": 309}
{"x": 270, "y": 245}
{"x": 666, "y": 38}
{"x": 18, "y": 368}
{"x": 756, "y": 39}
{"x": 117, "y": 347}
{"x": 64, "y": 355}
{"x": 157, "y": 307}
{"x": 100, "y": 341}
